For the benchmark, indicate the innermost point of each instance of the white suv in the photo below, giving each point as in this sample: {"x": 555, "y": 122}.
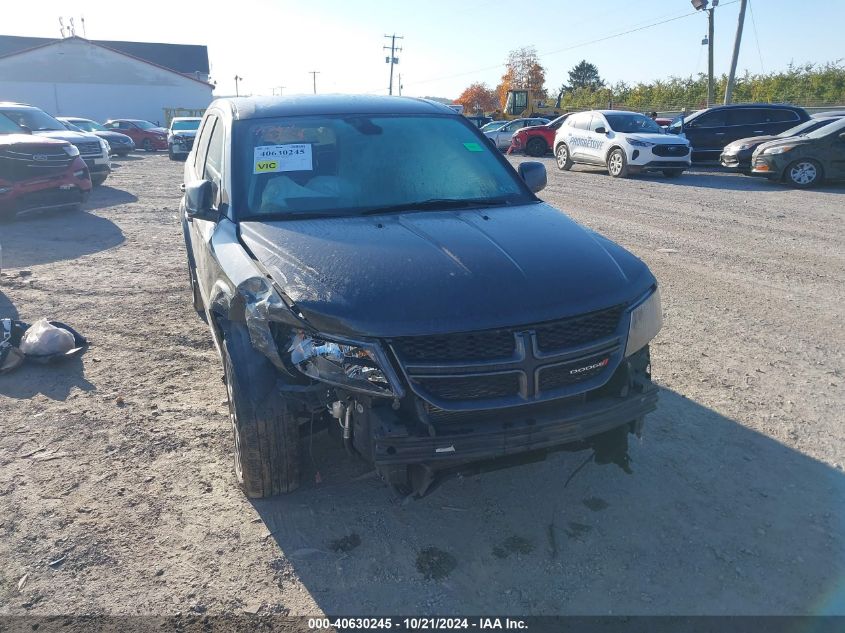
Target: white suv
{"x": 624, "y": 142}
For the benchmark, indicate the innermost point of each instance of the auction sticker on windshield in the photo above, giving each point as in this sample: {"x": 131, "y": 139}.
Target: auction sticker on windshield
{"x": 288, "y": 157}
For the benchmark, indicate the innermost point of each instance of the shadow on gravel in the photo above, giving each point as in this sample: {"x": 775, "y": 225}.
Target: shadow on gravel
{"x": 56, "y": 236}
{"x": 718, "y": 178}
{"x": 105, "y": 196}
{"x": 716, "y": 519}
{"x": 55, "y": 381}
{"x": 7, "y": 308}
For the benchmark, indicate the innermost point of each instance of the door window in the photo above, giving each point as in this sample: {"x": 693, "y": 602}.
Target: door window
{"x": 710, "y": 119}
{"x": 214, "y": 155}
{"x": 778, "y": 115}
{"x": 597, "y": 121}
{"x": 202, "y": 144}
{"x": 748, "y": 116}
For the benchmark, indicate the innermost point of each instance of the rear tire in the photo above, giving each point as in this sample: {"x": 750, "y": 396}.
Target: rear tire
{"x": 148, "y": 145}
{"x": 617, "y": 164}
{"x": 562, "y": 158}
{"x": 536, "y": 147}
{"x": 804, "y": 173}
{"x": 266, "y": 435}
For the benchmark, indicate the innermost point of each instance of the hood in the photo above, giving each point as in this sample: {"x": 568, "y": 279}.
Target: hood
{"x": 751, "y": 140}
{"x": 659, "y": 139}
{"x": 792, "y": 140}
{"x": 530, "y": 127}
{"x": 445, "y": 271}
{"x": 67, "y": 135}
{"x": 30, "y": 140}
{"x": 113, "y": 136}
{"x": 157, "y": 130}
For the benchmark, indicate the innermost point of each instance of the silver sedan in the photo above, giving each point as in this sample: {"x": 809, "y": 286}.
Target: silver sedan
{"x": 502, "y": 136}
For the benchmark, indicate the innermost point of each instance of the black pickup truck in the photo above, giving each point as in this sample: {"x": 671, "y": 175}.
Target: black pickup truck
{"x": 374, "y": 264}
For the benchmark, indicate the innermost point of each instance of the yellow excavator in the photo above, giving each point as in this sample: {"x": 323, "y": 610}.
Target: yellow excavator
{"x": 525, "y": 103}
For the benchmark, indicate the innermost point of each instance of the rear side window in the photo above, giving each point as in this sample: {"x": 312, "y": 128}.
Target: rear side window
{"x": 748, "y": 116}
{"x": 582, "y": 121}
{"x": 782, "y": 116}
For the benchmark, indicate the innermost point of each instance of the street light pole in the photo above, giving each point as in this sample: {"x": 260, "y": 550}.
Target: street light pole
{"x": 729, "y": 90}
{"x": 711, "y": 93}
{"x": 237, "y": 79}
{"x": 314, "y": 74}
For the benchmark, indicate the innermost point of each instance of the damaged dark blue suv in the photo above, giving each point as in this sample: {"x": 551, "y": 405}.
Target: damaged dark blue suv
{"x": 373, "y": 264}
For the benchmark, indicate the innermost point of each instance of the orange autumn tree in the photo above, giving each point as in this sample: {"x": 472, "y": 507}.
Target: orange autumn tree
{"x": 523, "y": 72}
{"x": 478, "y": 97}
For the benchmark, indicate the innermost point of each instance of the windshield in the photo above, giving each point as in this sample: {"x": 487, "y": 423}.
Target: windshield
{"x": 831, "y": 128}
{"x": 675, "y": 123}
{"x": 555, "y": 124}
{"x": 144, "y": 125}
{"x": 493, "y": 126}
{"x": 627, "y": 123}
{"x": 347, "y": 165}
{"x": 35, "y": 120}
{"x": 88, "y": 126}
{"x": 7, "y": 126}
{"x": 72, "y": 127}
{"x": 185, "y": 125}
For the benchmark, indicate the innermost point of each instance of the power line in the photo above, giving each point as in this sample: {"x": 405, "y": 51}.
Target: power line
{"x": 572, "y": 47}
{"x": 756, "y": 37}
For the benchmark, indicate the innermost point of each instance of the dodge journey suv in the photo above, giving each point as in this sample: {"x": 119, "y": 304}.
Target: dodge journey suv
{"x": 374, "y": 265}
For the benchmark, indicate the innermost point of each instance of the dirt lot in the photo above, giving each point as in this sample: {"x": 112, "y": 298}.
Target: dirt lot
{"x": 116, "y": 487}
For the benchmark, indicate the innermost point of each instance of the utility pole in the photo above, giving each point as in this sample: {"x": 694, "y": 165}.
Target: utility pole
{"x": 400, "y": 84}
{"x": 314, "y": 74}
{"x": 84, "y": 34}
{"x": 237, "y": 79}
{"x": 702, "y": 5}
{"x": 729, "y": 90}
{"x": 392, "y": 59}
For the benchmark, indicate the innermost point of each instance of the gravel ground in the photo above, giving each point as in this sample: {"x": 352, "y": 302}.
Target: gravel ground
{"x": 116, "y": 487}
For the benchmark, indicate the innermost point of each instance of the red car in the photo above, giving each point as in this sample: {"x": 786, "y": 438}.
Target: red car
{"x": 147, "y": 136}
{"x": 536, "y": 140}
{"x": 38, "y": 173}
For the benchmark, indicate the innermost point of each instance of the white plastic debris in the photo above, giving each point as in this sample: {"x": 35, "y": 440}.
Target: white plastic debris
{"x": 43, "y": 339}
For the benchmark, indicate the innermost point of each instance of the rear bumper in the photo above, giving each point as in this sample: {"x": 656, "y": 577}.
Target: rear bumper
{"x": 467, "y": 443}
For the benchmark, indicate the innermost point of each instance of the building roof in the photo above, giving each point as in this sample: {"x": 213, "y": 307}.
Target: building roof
{"x": 183, "y": 58}
{"x": 299, "y": 105}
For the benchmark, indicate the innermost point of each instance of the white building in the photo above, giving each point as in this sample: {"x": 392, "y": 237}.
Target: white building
{"x": 79, "y": 77}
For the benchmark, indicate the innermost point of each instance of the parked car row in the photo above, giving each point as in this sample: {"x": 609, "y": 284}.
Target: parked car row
{"x": 780, "y": 142}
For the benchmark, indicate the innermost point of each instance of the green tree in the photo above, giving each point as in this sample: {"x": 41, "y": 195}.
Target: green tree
{"x": 583, "y": 75}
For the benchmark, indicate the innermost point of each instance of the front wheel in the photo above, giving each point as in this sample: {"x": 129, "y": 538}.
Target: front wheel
{"x": 804, "y": 173}
{"x": 170, "y": 153}
{"x": 617, "y": 164}
{"x": 536, "y": 147}
{"x": 562, "y": 158}
{"x": 265, "y": 433}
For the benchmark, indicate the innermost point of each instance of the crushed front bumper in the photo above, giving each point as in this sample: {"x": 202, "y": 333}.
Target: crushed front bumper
{"x": 476, "y": 442}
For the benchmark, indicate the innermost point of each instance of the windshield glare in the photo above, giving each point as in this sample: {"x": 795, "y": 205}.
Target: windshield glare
{"x": 35, "y": 120}
{"x": 144, "y": 125}
{"x": 493, "y": 126}
{"x": 341, "y": 165}
{"x": 185, "y": 125}
{"x": 831, "y": 128}
{"x": 88, "y": 126}
{"x": 627, "y": 123}
{"x": 7, "y": 126}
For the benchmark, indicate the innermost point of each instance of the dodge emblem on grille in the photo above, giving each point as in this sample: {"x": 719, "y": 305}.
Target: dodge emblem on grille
{"x": 580, "y": 370}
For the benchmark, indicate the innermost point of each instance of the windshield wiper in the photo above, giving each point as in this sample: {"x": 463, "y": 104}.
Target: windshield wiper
{"x": 436, "y": 204}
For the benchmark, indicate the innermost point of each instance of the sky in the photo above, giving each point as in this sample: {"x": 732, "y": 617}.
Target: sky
{"x": 447, "y": 45}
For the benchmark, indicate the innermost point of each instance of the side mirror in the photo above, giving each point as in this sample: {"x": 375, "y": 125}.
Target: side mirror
{"x": 600, "y": 130}
{"x": 534, "y": 175}
{"x": 842, "y": 136}
{"x": 198, "y": 200}
{"x": 26, "y": 130}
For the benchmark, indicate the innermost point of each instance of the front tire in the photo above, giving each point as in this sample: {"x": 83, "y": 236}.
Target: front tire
{"x": 562, "y": 158}
{"x": 265, "y": 433}
{"x": 536, "y": 147}
{"x": 170, "y": 153}
{"x": 617, "y": 164}
{"x": 804, "y": 173}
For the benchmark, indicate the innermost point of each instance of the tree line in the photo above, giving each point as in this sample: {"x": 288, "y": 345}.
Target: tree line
{"x": 805, "y": 84}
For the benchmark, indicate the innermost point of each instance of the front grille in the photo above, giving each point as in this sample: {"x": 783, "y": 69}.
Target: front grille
{"x": 469, "y": 346}
{"x": 579, "y": 330}
{"x": 91, "y": 148}
{"x": 512, "y": 366}
{"x": 26, "y": 162}
{"x": 455, "y": 388}
{"x": 670, "y": 150}
{"x": 49, "y": 198}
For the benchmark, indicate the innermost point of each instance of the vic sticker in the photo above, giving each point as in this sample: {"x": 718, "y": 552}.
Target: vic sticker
{"x": 288, "y": 157}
